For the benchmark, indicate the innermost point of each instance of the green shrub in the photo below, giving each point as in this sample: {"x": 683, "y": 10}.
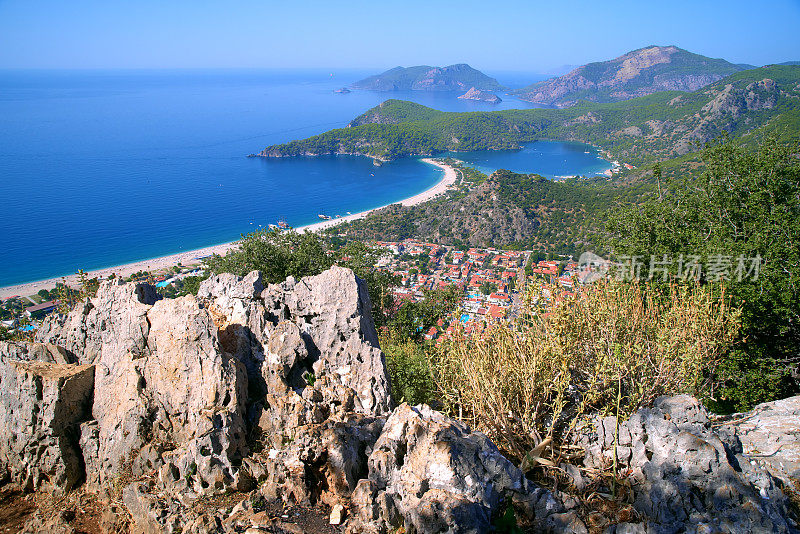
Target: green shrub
{"x": 742, "y": 203}
{"x": 409, "y": 371}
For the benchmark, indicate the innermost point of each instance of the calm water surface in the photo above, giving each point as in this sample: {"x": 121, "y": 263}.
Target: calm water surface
{"x": 103, "y": 168}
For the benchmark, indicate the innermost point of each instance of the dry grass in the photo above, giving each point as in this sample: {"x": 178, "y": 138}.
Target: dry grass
{"x": 611, "y": 349}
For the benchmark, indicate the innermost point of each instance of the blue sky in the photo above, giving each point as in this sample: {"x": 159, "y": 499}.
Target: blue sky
{"x": 513, "y": 35}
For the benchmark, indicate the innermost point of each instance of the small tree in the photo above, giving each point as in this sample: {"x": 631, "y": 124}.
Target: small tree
{"x": 487, "y": 288}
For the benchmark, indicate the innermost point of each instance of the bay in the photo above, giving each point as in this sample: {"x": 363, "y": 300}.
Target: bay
{"x": 100, "y": 168}
{"x": 551, "y": 159}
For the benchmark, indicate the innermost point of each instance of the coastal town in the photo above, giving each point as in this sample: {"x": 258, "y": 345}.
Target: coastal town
{"x": 491, "y": 283}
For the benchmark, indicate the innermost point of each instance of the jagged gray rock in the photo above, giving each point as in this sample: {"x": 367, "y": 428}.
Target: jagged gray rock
{"x": 770, "y": 436}
{"x": 309, "y": 346}
{"x": 333, "y": 313}
{"x": 429, "y": 473}
{"x": 42, "y": 352}
{"x": 166, "y": 391}
{"x": 108, "y": 328}
{"x": 41, "y": 406}
{"x": 686, "y": 474}
{"x": 177, "y": 380}
{"x": 166, "y": 397}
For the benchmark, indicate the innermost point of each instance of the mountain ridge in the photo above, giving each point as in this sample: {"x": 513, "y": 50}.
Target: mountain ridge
{"x": 637, "y": 73}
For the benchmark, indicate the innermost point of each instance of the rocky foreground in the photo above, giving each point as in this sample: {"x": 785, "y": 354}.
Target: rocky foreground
{"x": 245, "y": 407}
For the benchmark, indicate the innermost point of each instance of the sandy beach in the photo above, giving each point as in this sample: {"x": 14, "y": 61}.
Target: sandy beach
{"x": 192, "y": 257}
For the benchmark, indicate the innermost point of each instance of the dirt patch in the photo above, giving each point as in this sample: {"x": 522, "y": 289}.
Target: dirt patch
{"x": 309, "y": 519}
{"x": 83, "y": 512}
{"x": 15, "y": 509}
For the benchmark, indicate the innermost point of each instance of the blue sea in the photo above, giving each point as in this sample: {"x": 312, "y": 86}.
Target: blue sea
{"x": 100, "y": 168}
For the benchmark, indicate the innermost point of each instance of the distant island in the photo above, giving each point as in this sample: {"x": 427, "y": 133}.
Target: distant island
{"x": 638, "y": 73}
{"x": 481, "y": 96}
{"x": 460, "y": 77}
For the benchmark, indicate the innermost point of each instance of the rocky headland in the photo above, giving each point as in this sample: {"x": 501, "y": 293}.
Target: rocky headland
{"x": 253, "y": 408}
{"x": 481, "y": 96}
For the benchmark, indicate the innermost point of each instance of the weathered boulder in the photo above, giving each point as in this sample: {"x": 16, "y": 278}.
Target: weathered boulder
{"x": 429, "y": 473}
{"x": 177, "y": 410}
{"x": 322, "y": 464}
{"x": 309, "y": 346}
{"x": 318, "y": 380}
{"x": 166, "y": 397}
{"x": 686, "y": 474}
{"x": 177, "y": 382}
{"x": 238, "y": 313}
{"x": 42, "y": 352}
{"x": 770, "y": 436}
{"x": 41, "y": 407}
{"x": 333, "y": 314}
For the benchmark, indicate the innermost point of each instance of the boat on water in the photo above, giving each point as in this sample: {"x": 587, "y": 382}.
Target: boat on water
{"x": 324, "y": 217}
{"x": 349, "y": 213}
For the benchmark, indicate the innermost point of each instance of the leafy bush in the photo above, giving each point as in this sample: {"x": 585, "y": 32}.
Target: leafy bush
{"x": 611, "y": 349}
{"x": 409, "y": 370}
{"x": 190, "y": 285}
{"x": 743, "y": 203}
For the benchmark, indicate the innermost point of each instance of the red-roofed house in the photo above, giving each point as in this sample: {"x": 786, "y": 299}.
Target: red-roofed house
{"x": 499, "y": 298}
{"x": 496, "y": 312}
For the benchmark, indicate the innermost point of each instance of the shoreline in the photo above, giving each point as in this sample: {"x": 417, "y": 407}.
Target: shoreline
{"x": 191, "y": 257}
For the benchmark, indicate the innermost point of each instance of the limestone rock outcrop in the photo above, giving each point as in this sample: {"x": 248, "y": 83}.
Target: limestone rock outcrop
{"x": 281, "y": 393}
{"x": 181, "y": 385}
{"x": 166, "y": 397}
{"x": 309, "y": 346}
{"x": 41, "y": 352}
{"x": 770, "y": 436}
{"x": 108, "y": 328}
{"x": 429, "y": 473}
{"x": 687, "y": 473}
{"x": 333, "y": 313}
{"x": 41, "y": 406}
